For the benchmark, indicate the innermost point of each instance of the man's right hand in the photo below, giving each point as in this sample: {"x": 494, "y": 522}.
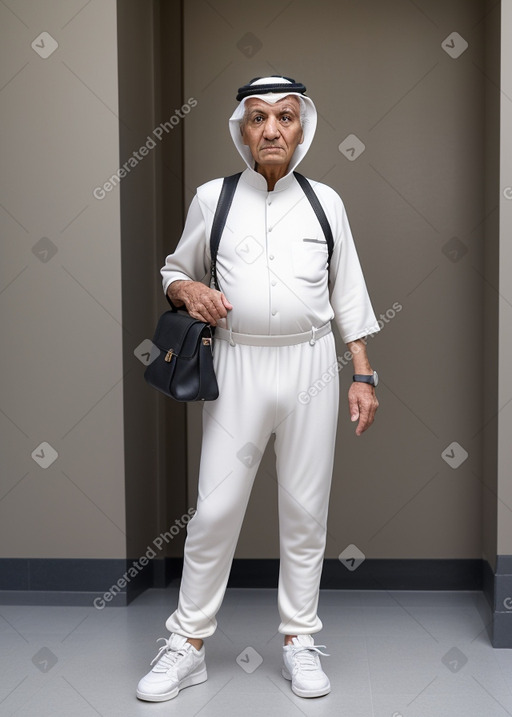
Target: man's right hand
{"x": 200, "y": 301}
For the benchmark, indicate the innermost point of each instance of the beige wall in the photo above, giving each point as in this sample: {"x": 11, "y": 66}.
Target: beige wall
{"x": 72, "y": 377}
{"x": 61, "y": 364}
{"x": 377, "y": 70}
{"x": 70, "y": 323}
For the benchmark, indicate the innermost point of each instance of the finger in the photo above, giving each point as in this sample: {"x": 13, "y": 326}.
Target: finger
{"x": 211, "y": 315}
{"x": 367, "y": 416}
{"x": 226, "y": 303}
{"x": 364, "y": 419}
{"x": 373, "y": 409}
{"x": 201, "y": 315}
{"x": 217, "y": 309}
{"x": 353, "y": 408}
{"x": 362, "y": 426}
{"x": 371, "y": 416}
{"x": 213, "y": 304}
{"x": 216, "y": 312}
{"x": 201, "y": 311}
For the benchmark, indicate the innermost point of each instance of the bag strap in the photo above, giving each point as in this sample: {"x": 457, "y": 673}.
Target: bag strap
{"x": 319, "y": 211}
{"x": 227, "y": 193}
{"x": 219, "y": 221}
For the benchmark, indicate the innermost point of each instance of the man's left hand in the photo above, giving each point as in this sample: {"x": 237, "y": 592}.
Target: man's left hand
{"x": 362, "y": 404}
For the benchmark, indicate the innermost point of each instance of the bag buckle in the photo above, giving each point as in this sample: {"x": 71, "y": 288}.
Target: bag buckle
{"x": 207, "y": 342}
{"x": 169, "y": 355}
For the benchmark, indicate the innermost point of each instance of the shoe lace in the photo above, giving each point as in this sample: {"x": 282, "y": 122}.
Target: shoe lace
{"x": 166, "y": 658}
{"x": 307, "y": 656}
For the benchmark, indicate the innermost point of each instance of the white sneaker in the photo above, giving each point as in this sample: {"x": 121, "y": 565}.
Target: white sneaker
{"x": 178, "y": 665}
{"x": 302, "y": 666}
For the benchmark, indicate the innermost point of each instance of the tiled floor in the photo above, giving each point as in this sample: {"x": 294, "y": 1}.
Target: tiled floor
{"x": 400, "y": 654}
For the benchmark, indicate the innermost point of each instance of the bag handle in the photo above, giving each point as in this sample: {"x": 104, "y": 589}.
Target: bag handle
{"x": 319, "y": 211}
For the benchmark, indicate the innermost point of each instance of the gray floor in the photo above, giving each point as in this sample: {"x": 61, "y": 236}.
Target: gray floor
{"x": 400, "y": 654}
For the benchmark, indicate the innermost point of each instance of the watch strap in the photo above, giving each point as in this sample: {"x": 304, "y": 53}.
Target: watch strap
{"x": 364, "y": 378}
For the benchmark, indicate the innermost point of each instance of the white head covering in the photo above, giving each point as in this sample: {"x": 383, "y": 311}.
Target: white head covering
{"x": 264, "y": 90}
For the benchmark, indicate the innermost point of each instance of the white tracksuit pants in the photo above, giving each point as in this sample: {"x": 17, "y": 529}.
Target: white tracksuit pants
{"x": 259, "y": 395}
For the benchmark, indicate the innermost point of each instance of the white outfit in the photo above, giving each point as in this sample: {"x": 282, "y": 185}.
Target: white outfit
{"x": 272, "y": 267}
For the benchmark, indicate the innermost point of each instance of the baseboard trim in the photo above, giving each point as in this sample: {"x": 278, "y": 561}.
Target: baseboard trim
{"x": 498, "y": 590}
{"x": 74, "y": 581}
{"x": 372, "y": 574}
{"x": 68, "y": 579}
{"x": 117, "y": 582}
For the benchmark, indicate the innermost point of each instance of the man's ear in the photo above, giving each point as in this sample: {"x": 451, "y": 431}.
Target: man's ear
{"x": 301, "y": 140}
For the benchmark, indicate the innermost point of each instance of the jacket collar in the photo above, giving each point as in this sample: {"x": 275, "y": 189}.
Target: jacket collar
{"x": 258, "y": 181}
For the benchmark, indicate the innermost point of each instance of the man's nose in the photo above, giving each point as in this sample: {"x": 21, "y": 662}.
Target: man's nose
{"x": 271, "y": 128}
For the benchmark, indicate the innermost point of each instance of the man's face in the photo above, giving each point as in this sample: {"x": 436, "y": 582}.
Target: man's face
{"x": 272, "y": 131}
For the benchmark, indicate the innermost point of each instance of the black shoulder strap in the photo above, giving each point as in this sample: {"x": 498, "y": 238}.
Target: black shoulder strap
{"x": 219, "y": 220}
{"x": 319, "y": 211}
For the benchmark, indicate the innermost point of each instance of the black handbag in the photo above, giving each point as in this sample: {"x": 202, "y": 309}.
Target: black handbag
{"x": 184, "y": 368}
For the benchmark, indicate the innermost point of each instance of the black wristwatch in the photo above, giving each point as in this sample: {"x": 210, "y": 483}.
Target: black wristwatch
{"x": 372, "y": 378}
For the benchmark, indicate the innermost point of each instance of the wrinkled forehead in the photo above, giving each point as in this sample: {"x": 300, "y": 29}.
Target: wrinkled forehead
{"x": 288, "y": 102}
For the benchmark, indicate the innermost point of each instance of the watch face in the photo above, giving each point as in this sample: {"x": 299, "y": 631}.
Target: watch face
{"x": 375, "y": 378}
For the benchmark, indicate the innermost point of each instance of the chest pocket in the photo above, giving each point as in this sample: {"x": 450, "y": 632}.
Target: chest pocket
{"x": 309, "y": 259}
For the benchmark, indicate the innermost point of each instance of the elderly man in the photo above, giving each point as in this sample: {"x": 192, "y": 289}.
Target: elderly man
{"x": 273, "y": 341}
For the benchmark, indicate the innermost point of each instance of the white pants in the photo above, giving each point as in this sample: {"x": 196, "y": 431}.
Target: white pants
{"x": 259, "y": 395}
